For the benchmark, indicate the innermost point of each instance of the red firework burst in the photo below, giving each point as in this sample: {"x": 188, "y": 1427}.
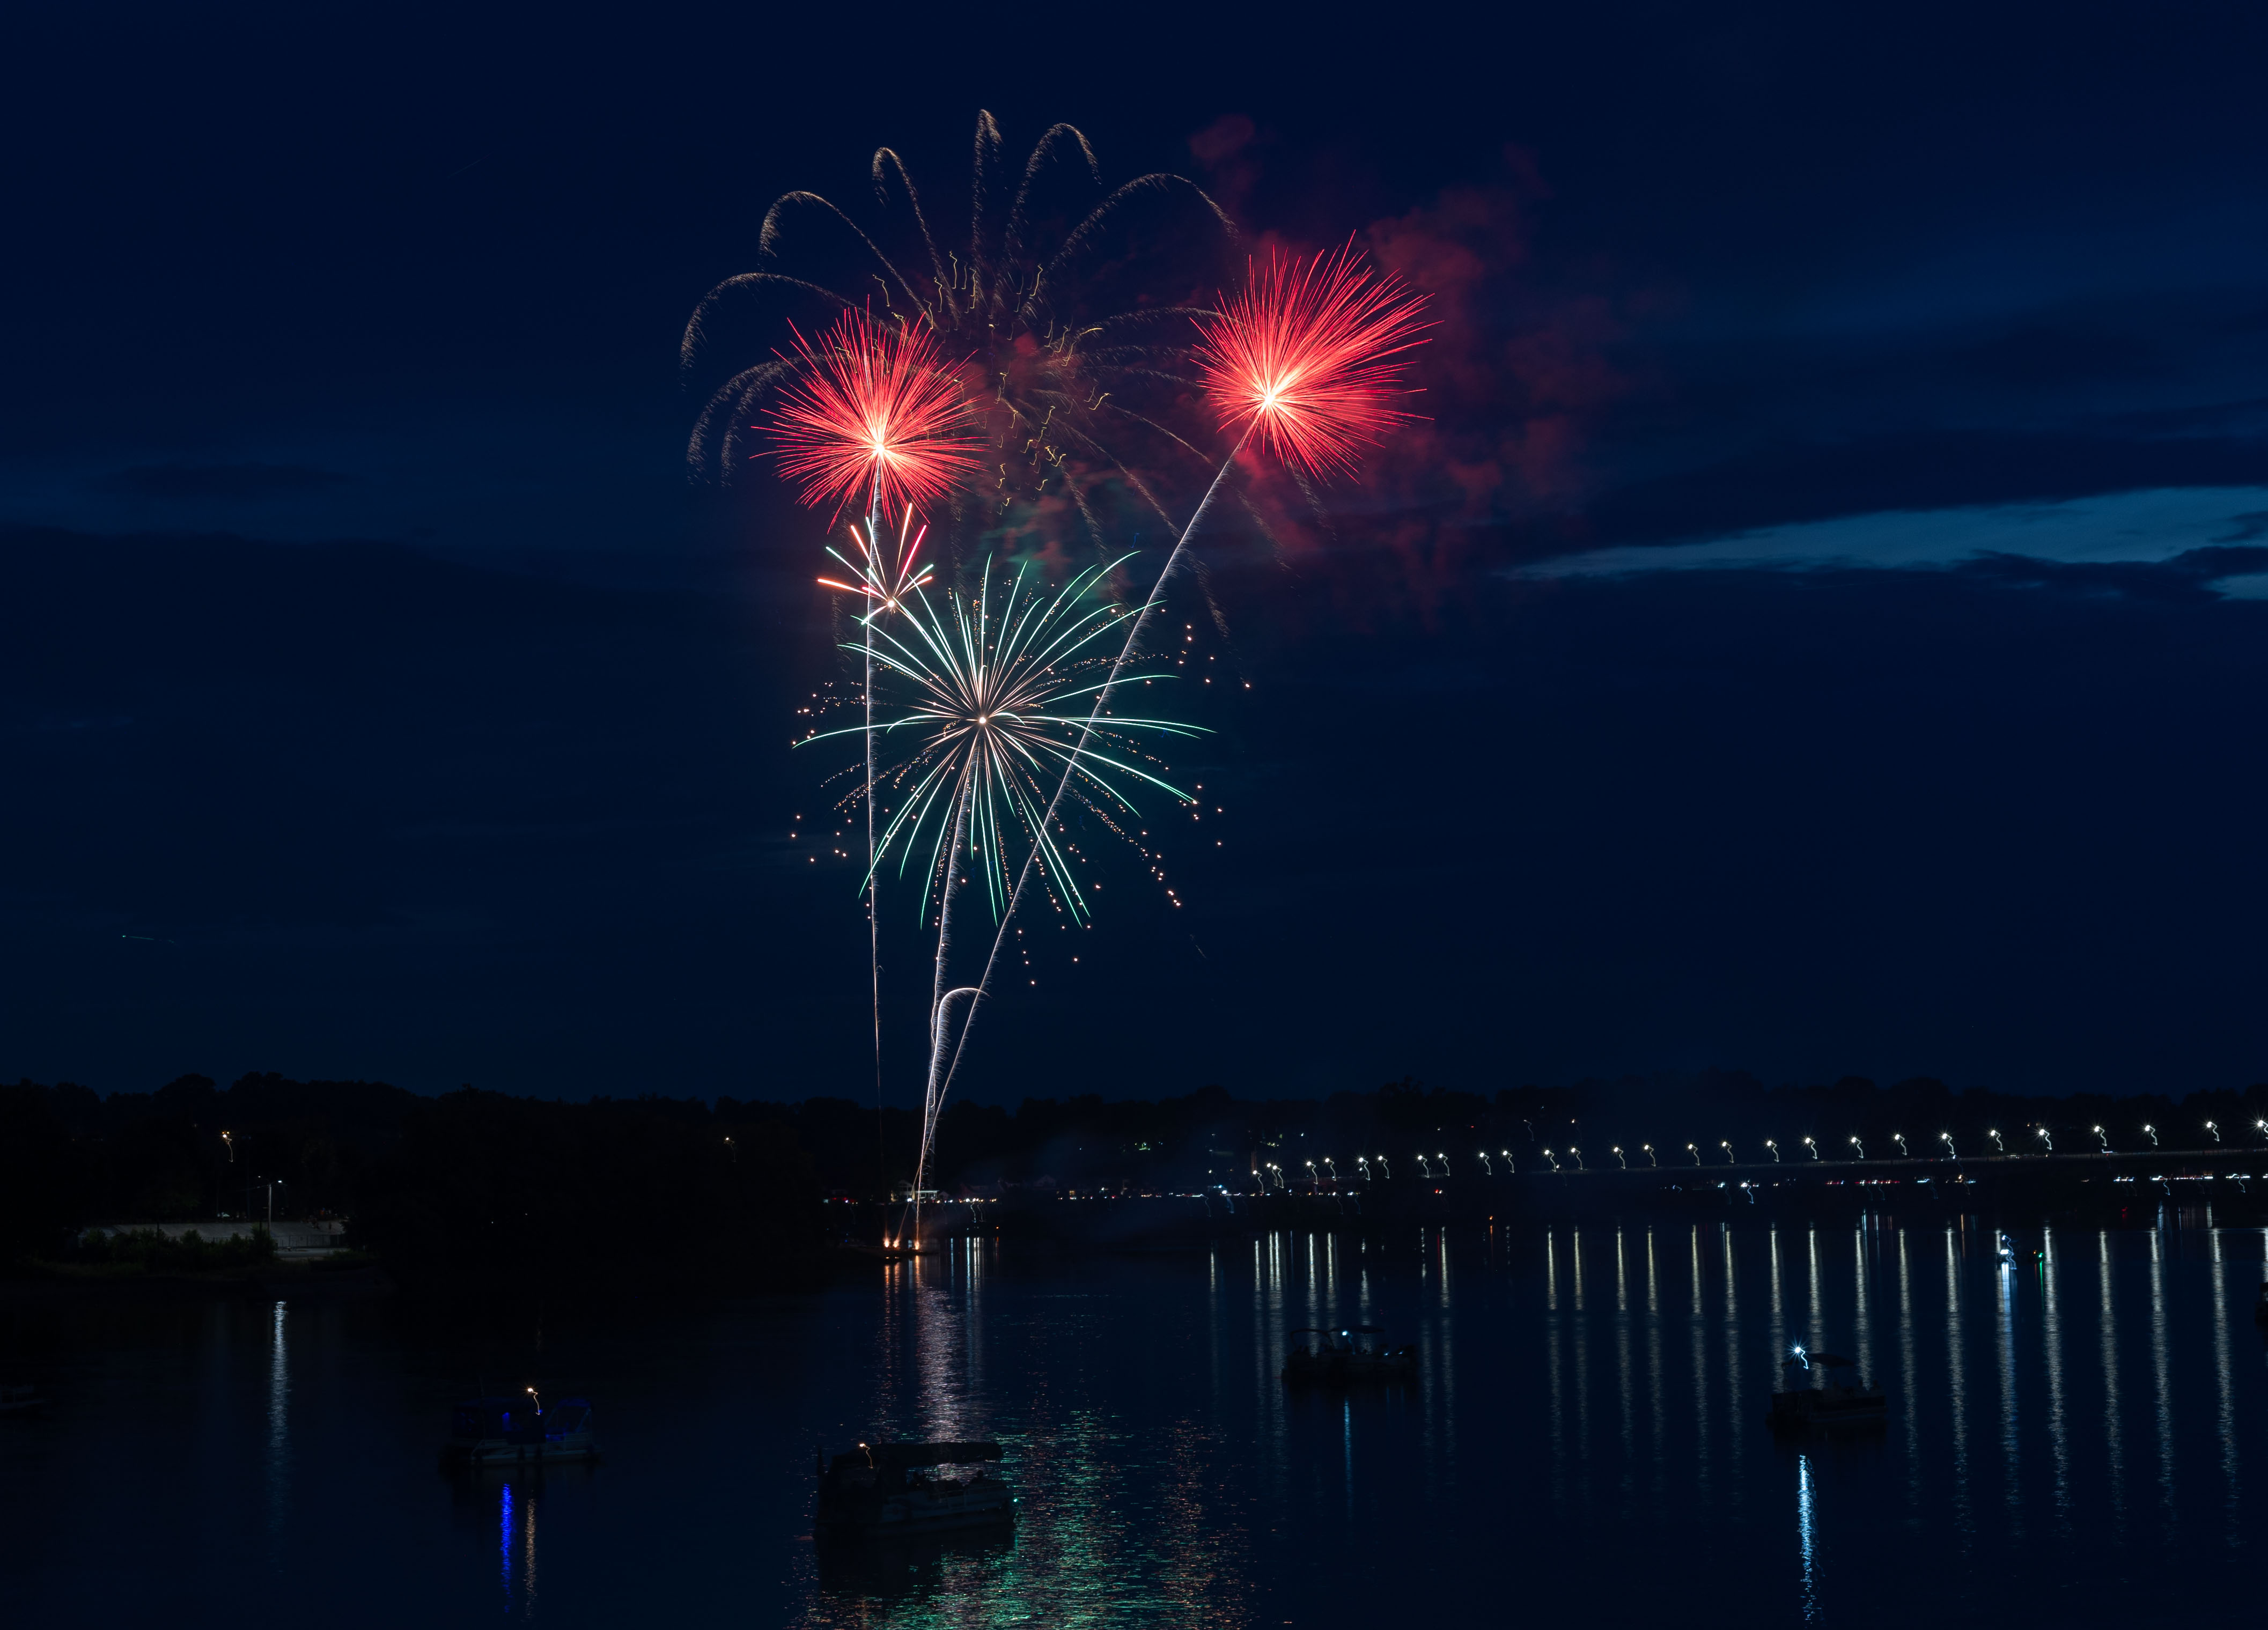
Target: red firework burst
{"x": 1310, "y": 358}
{"x": 874, "y": 414}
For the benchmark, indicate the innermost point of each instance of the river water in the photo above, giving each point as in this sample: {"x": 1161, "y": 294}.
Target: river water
{"x": 2084, "y": 1437}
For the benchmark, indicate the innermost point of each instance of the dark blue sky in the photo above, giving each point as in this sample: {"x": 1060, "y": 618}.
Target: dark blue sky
{"x": 1843, "y": 651}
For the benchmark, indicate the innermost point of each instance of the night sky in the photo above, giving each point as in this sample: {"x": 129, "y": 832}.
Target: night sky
{"x": 1822, "y": 629}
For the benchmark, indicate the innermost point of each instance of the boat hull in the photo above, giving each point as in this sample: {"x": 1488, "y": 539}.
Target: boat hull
{"x": 1844, "y": 1411}
{"x": 1337, "y": 1369}
{"x": 504, "y": 1452}
{"x": 983, "y": 1504}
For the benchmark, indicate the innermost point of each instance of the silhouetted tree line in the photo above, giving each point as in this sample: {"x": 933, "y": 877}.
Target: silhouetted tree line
{"x": 472, "y": 1192}
{"x": 491, "y": 1195}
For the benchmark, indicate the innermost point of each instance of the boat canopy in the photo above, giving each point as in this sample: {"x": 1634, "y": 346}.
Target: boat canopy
{"x": 479, "y": 1418}
{"x": 569, "y": 1414}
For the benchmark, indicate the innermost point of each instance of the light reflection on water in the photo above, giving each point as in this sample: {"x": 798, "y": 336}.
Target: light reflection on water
{"x": 2066, "y": 1434}
{"x": 279, "y": 1419}
{"x": 1355, "y": 1482}
{"x": 1806, "y": 1536}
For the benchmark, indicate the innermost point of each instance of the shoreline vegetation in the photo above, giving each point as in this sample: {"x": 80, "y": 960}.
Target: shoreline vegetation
{"x": 478, "y": 1196}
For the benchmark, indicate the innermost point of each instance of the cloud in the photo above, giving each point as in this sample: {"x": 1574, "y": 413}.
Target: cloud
{"x": 2152, "y": 527}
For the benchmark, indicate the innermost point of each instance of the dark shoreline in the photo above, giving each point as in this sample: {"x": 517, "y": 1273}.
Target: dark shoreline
{"x": 67, "y": 1284}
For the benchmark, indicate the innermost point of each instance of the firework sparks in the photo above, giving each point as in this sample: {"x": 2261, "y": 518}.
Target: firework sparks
{"x": 884, "y": 580}
{"x": 874, "y": 412}
{"x": 1073, "y": 301}
{"x": 1309, "y": 358}
{"x": 997, "y": 717}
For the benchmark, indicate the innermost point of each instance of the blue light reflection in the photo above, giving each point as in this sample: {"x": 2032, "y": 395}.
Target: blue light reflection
{"x": 1806, "y": 1537}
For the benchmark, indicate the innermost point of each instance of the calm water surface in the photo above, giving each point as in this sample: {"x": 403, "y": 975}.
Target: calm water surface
{"x": 2086, "y": 1438}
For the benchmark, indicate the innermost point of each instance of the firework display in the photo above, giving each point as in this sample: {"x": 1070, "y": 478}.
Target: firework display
{"x": 997, "y": 721}
{"x": 1066, "y": 313}
{"x": 873, "y": 412}
{"x": 1061, "y": 371}
{"x": 1309, "y": 359}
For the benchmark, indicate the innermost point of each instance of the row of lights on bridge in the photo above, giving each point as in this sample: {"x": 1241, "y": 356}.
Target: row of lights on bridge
{"x": 1425, "y": 1163}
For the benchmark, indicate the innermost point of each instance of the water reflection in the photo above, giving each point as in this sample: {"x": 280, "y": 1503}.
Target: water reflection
{"x": 2113, "y": 1438}
{"x": 279, "y": 1419}
{"x": 1911, "y": 1392}
{"x": 2052, "y": 1334}
{"x": 516, "y": 1548}
{"x": 1700, "y": 1371}
{"x": 2161, "y": 1369}
{"x": 1806, "y": 1537}
{"x": 1734, "y": 1338}
{"x": 1168, "y": 1478}
{"x": 2004, "y": 1345}
{"x": 1623, "y": 1356}
{"x": 1956, "y": 1357}
{"x": 2224, "y": 1367}
{"x": 1654, "y": 1361}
